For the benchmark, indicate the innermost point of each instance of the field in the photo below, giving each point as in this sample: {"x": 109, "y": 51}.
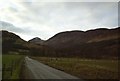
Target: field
{"x": 11, "y": 66}
{"x": 84, "y": 68}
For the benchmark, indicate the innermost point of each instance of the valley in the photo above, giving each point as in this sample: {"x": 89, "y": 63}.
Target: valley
{"x": 87, "y": 55}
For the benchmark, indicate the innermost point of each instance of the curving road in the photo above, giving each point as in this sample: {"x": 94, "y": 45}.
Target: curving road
{"x": 41, "y": 71}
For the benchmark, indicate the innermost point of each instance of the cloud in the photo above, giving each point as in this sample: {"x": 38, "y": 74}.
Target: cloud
{"x": 23, "y": 32}
{"x": 10, "y": 27}
{"x": 44, "y": 19}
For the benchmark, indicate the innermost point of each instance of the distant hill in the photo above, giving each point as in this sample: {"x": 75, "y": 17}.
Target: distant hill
{"x": 37, "y": 40}
{"x": 12, "y": 42}
{"x": 96, "y": 43}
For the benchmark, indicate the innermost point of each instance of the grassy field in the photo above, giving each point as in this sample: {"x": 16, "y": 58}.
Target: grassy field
{"x": 14, "y": 61}
{"x": 84, "y": 68}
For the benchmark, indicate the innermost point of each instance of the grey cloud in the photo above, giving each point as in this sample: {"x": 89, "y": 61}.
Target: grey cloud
{"x": 10, "y": 27}
{"x": 63, "y": 14}
{"x": 104, "y": 13}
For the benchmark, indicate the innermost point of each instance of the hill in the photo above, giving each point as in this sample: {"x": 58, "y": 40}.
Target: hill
{"x": 12, "y": 42}
{"x": 37, "y": 40}
{"x": 98, "y": 43}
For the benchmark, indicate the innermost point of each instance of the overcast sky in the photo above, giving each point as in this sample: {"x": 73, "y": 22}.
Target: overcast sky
{"x": 37, "y": 18}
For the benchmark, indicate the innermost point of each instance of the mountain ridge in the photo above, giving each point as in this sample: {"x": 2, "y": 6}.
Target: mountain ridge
{"x": 81, "y": 35}
{"x": 99, "y": 43}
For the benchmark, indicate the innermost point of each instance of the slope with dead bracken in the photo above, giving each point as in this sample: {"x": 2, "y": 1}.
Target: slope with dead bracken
{"x": 96, "y": 43}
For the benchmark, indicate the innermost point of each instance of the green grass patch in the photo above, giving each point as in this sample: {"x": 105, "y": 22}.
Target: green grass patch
{"x": 12, "y": 63}
{"x": 84, "y": 68}
{"x": 1, "y": 58}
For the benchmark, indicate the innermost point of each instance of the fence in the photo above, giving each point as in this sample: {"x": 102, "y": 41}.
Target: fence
{"x": 7, "y": 69}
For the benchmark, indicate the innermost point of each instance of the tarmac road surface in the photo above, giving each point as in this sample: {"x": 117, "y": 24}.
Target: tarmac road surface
{"x": 42, "y": 71}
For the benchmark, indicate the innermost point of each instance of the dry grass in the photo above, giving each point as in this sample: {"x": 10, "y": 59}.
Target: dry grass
{"x": 84, "y": 68}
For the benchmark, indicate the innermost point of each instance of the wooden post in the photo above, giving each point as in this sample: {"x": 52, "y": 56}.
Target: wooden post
{"x": 14, "y": 65}
{"x": 11, "y": 68}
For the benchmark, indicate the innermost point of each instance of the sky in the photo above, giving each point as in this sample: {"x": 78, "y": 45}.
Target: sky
{"x": 45, "y": 18}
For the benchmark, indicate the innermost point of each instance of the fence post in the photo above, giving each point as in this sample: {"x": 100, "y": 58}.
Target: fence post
{"x": 11, "y": 68}
{"x": 14, "y": 64}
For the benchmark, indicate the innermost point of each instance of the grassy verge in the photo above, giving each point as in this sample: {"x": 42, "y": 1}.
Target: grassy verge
{"x": 14, "y": 61}
{"x": 0, "y": 59}
{"x": 84, "y": 68}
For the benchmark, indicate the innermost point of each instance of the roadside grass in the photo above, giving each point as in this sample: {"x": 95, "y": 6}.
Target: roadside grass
{"x": 14, "y": 61}
{"x": 84, "y": 68}
{"x": 0, "y": 59}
